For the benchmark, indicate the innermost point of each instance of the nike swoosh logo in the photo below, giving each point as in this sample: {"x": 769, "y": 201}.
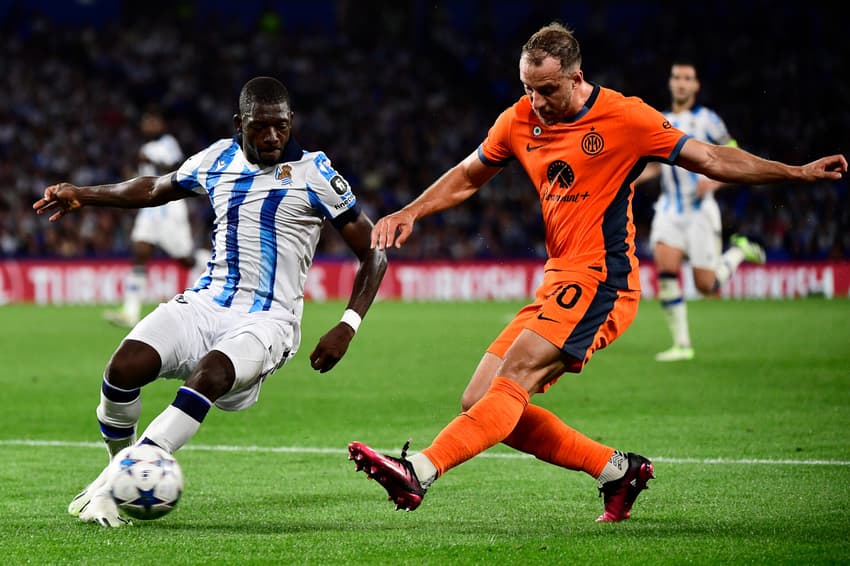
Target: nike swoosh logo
{"x": 541, "y": 317}
{"x": 529, "y": 147}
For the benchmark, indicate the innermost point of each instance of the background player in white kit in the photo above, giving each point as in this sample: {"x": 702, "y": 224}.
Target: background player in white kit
{"x": 687, "y": 218}
{"x": 241, "y": 321}
{"x": 167, "y": 227}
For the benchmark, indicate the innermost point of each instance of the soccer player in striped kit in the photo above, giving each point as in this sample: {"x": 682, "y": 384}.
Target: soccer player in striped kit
{"x": 582, "y": 146}
{"x": 241, "y": 322}
{"x": 687, "y": 219}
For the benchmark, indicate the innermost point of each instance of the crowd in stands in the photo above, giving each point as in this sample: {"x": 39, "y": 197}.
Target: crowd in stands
{"x": 395, "y": 93}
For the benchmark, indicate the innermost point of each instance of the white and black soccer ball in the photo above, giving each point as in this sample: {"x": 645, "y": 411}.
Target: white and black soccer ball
{"x": 147, "y": 481}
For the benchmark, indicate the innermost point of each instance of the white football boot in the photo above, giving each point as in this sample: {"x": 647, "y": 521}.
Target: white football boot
{"x": 95, "y": 504}
{"x": 675, "y": 354}
{"x": 120, "y": 318}
{"x": 82, "y": 499}
{"x": 103, "y": 510}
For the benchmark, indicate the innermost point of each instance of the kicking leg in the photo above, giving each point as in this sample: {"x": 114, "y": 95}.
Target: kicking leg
{"x": 542, "y": 434}
{"x": 133, "y": 365}
{"x": 529, "y": 363}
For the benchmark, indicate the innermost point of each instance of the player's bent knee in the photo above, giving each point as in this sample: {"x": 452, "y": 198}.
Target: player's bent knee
{"x": 213, "y": 377}
{"x": 236, "y": 363}
{"x": 134, "y": 364}
{"x": 706, "y": 285}
{"x": 706, "y": 289}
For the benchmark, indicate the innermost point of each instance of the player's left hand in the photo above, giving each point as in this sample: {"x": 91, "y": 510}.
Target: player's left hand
{"x": 59, "y": 199}
{"x": 331, "y": 347}
{"x": 831, "y": 167}
{"x": 392, "y": 230}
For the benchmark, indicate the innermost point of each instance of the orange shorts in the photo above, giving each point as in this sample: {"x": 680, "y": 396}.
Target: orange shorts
{"x": 577, "y": 312}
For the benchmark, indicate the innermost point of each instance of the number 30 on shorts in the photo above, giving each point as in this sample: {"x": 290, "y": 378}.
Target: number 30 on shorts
{"x": 568, "y": 296}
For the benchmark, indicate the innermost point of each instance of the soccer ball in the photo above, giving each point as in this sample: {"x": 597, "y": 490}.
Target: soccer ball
{"x": 146, "y": 481}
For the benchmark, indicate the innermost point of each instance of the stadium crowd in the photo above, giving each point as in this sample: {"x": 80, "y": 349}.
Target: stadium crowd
{"x": 395, "y": 93}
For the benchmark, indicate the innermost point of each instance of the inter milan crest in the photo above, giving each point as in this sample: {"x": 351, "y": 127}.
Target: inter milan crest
{"x": 592, "y": 143}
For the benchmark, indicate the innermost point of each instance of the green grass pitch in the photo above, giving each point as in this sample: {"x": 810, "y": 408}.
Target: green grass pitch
{"x": 751, "y": 443}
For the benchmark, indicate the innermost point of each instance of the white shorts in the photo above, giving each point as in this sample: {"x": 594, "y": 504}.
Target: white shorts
{"x": 167, "y": 227}
{"x": 697, "y": 233}
{"x": 190, "y": 325}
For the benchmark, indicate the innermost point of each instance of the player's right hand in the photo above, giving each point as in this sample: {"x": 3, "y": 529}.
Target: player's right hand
{"x": 59, "y": 200}
{"x": 392, "y": 230}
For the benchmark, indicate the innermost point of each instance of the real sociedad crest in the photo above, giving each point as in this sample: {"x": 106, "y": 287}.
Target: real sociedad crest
{"x": 283, "y": 173}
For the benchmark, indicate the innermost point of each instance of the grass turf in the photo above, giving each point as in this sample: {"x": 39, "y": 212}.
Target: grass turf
{"x": 750, "y": 442}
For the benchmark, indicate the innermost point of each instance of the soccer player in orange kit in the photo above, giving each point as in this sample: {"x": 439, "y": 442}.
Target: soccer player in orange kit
{"x": 582, "y": 146}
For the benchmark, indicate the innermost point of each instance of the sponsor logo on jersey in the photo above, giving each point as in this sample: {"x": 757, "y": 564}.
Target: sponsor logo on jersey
{"x": 346, "y": 202}
{"x": 339, "y": 185}
{"x": 570, "y": 197}
{"x": 560, "y": 174}
{"x": 560, "y": 178}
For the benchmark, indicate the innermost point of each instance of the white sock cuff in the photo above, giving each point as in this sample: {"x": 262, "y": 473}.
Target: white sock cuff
{"x": 669, "y": 289}
{"x": 119, "y": 415}
{"x": 171, "y": 429}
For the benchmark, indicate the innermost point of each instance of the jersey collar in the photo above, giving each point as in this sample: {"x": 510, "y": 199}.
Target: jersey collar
{"x": 292, "y": 151}
{"x": 586, "y": 108}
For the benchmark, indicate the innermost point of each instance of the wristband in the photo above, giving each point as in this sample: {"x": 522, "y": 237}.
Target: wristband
{"x": 351, "y": 318}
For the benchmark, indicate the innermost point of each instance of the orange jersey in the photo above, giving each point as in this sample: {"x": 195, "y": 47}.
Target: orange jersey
{"x": 583, "y": 170}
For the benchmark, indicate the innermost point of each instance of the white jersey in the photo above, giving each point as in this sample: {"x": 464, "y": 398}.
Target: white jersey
{"x": 267, "y": 222}
{"x": 678, "y": 185}
{"x": 160, "y": 156}
{"x": 166, "y": 226}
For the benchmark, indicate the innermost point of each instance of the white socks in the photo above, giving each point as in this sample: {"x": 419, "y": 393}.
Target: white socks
{"x": 425, "y": 470}
{"x": 675, "y": 308}
{"x": 615, "y": 468}
{"x": 135, "y": 288}
{"x": 179, "y": 422}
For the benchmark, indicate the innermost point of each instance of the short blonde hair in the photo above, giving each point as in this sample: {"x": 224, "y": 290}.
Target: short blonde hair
{"x": 553, "y": 40}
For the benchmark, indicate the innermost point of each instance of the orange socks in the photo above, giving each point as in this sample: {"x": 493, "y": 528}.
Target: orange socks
{"x": 505, "y": 415}
{"x": 486, "y": 424}
{"x": 545, "y": 436}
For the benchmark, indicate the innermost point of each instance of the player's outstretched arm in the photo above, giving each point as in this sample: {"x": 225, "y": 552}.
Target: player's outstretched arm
{"x": 373, "y": 264}
{"x": 734, "y": 165}
{"x": 452, "y": 188}
{"x": 58, "y": 200}
{"x": 140, "y": 192}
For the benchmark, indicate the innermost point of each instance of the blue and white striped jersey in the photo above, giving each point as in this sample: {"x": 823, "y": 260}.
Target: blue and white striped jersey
{"x": 267, "y": 222}
{"x": 678, "y": 185}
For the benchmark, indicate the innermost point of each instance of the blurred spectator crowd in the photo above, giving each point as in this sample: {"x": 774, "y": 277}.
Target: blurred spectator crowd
{"x": 395, "y": 94}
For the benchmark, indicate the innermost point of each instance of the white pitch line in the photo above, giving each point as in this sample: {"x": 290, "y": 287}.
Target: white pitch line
{"x": 317, "y": 450}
